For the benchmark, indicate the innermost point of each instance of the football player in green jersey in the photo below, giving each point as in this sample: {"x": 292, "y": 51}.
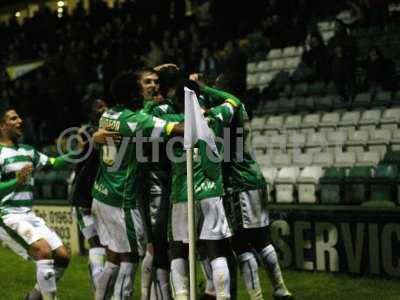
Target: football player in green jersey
{"x": 246, "y": 203}
{"x": 212, "y": 226}
{"x": 116, "y": 188}
{"x": 42, "y": 244}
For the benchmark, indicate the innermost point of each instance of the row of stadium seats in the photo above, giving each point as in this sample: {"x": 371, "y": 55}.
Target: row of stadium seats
{"x": 365, "y": 183}
{"x": 328, "y": 121}
{"x": 298, "y": 104}
{"x": 380, "y": 141}
{"x": 52, "y": 184}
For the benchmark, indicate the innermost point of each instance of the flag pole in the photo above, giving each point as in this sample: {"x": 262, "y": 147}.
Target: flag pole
{"x": 191, "y": 224}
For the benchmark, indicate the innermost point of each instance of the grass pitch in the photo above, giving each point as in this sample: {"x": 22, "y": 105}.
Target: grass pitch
{"x": 17, "y": 278}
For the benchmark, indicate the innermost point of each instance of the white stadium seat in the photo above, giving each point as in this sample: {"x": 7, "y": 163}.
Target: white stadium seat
{"x": 296, "y": 142}
{"x": 357, "y": 141}
{"x": 390, "y": 118}
{"x": 257, "y": 123}
{"x": 336, "y": 140}
{"x": 324, "y": 159}
{"x": 274, "y": 123}
{"x": 367, "y": 158}
{"x": 281, "y": 160}
{"x": 316, "y": 142}
{"x": 349, "y": 120}
{"x": 308, "y": 184}
{"x": 345, "y": 159}
{"x": 263, "y": 66}
{"x": 274, "y": 53}
{"x": 310, "y": 123}
{"x": 379, "y": 141}
{"x": 395, "y": 141}
{"x": 302, "y": 160}
{"x": 369, "y": 119}
{"x": 251, "y": 67}
{"x": 292, "y": 123}
{"x": 285, "y": 184}
{"x": 329, "y": 121}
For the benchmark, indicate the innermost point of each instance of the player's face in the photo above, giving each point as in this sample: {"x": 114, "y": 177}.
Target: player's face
{"x": 12, "y": 124}
{"x": 149, "y": 85}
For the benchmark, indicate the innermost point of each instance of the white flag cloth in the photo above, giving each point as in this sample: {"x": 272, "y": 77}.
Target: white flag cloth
{"x": 196, "y": 127}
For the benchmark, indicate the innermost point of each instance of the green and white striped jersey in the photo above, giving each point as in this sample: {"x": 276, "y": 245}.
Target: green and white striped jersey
{"x": 117, "y": 185}
{"x": 13, "y": 159}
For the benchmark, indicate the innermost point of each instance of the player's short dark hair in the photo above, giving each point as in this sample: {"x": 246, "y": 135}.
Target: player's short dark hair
{"x": 169, "y": 77}
{"x": 125, "y": 88}
{"x": 4, "y": 108}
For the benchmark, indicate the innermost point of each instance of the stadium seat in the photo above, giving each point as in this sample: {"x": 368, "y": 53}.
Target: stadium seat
{"x": 383, "y": 184}
{"x": 317, "y": 88}
{"x": 292, "y": 62}
{"x": 362, "y": 100}
{"x": 329, "y": 121}
{"x": 324, "y": 159}
{"x": 274, "y": 123}
{"x": 292, "y": 123}
{"x": 326, "y": 26}
{"x": 357, "y": 141}
{"x": 296, "y": 142}
{"x": 286, "y": 106}
{"x": 336, "y": 140}
{"x": 302, "y": 160}
{"x": 316, "y": 142}
{"x": 395, "y": 141}
{"x": 251, "y": 67}
{"x": 260, "y": 142}
{"x": 327, "y": 35}
{"x": 278, "y": 64}
{"x": 332, "y": 185}
{"x": 345, "y": 159}
{"x": 252, "y": 80}
{"x": 379, "y": 141}
{"x": 310, "y": 123}
{"x": 324, "y": 103}
{"x": 289, "y": 51}
{"x": 390, "y": 118}
{"x": 304, "y": 105}
{"x": 270, "y": 173}
{"x": 369, "y": 119}
{"x": 367, "y": 158}
{"x": 277, "y": 144}
{"x": 257, "y": 123}
{"x": 356, "y": 185}
{"x": 60, "y": 184}
{"x": 271, "y": 108}
{"x": 396, "y": 98}
{"x": 330, "y": 88}
{"x": 300, "y": 89}
{"x": 264, "y": 79}
{"x": 274, "y": 54}
{"x": 382, "y": 98}
{"x": 265, "y": 160}
{"x": 308, "y": 184}
{"x": 349, "y": 121}
{"x": 263, "y": 66}
{"x": 281, "y": 160}
{"x": 285, "y": 184}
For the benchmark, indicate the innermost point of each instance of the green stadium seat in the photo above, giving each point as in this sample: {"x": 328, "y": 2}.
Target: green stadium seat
{"x": 304, "y": 105}
{"x": 330, "y": 88}
{"x": 332, "y": 185}
{"x": 383, "y": 184}
{"x": 323, "y": 103}
{"x": 271, "y": 108}
{"x": 300, "y": 89}
{"x": 383, "y": 98}
{"x": 392, "y": 158}
{"x": 396, "y": 98}
{"x": 356, "y": 185}
{"x": 317, "y": 88}
{"x": 362, "y": 100}
{"x": 286, "y": 106}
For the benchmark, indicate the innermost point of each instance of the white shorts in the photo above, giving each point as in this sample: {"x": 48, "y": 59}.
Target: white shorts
{"x": 140, "y": 234}
{"x": 253, "y": 207}
{"x": 27, "y": 228}
{"x": 115, "y": 227}
{"x": 211, "y": 222}
{"x": 86, "y": 223}
{"x": 8, "y": 241}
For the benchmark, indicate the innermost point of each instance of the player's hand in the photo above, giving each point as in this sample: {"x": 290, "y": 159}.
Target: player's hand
{"x": 24, "y": 174}
{"x": 103, "y": 135}
{"x": 198, "y": 78}
{"x": 150, "y": 248}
